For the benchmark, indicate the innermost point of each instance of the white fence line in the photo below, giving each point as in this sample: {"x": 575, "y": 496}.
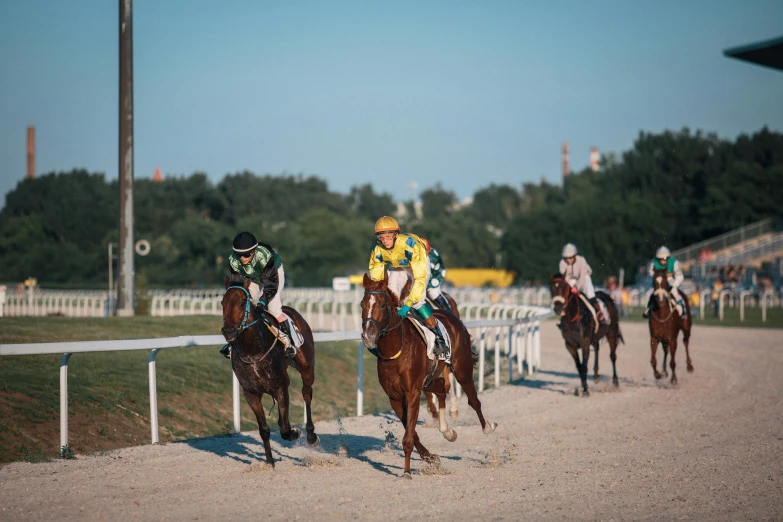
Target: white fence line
{"x": 518, "y": 332}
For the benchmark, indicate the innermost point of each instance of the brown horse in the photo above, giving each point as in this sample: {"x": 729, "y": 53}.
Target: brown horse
{"x": 453, "y": 411}
{"x": 258, "y": 361}
{"x": 403, "y": 364}
{"x": 665, "y": 325}
{"x": 579, "y": 327}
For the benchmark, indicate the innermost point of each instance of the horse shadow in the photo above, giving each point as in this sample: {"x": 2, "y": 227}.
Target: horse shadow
{"x": 249, "y": 450}
{"x": 539, "y": 384}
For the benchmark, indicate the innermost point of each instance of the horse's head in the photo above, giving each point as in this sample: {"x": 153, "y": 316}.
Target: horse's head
{"x": 378, "y": 308}
{"x": 661, "y": 285}
{"x": 560, "y": 291}
{"x": 236, "y": 306}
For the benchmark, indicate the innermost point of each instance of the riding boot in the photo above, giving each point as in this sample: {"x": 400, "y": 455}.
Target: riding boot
{"x": 286, "y": 338}
{"x": 443, "y": 303}
{"x": 682, "y": 307}
{"x": 598, "y": 310}
{"x": 649, "y": 308}
{"x": 441, "y": 350}
{"x": 226, "y": 351}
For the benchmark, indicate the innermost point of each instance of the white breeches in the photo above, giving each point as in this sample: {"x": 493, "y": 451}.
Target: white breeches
{"x": 275, "y": 306}
{"x": 398, "y": 277}
{"x": 586, "y": 287}
{"x": 434, "y": 293}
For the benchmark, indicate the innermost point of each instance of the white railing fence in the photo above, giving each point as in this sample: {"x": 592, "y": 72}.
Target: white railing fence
{"x": 512, "y": 330}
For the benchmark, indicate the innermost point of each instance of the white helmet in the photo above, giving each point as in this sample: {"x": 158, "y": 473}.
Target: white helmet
{"x": 663, "y": 253}
{"x": 569, "y": 250}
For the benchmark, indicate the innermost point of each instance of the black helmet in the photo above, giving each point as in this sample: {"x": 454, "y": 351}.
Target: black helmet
{"x": 245, "y": 242}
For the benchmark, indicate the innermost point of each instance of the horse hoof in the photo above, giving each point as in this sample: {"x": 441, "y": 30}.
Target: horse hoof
{"x": 293, "y": 435}
{"x": 454, "y": 413}
{"x": 489, "y": 427}
{"x": 450, "y": 435}
{"x": 313, "y": 440}
{"x": 596, "y": 378}
{"x": 690, "y": 368}
{"x": 616, "y": 383}
{"x": 658, "y": 375}
{"x": 431, "y": 459}
{"x": 406, "y": 476}
{"x": 585, "y": 393}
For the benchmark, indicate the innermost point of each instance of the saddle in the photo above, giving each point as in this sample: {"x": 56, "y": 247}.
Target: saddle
{"x": 273, "y": 324}
{"x": 429, "y": 338}
{"x": 593, "y": 312}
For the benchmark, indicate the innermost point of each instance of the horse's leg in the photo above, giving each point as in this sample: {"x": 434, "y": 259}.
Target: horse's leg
{"x": 308, "y": 378}
{"x": 423, "y": 452}
{"x": 653, "y": 360}
{"x": 611, "y": 336}
{"x": 431, "y": 407}
{"x": 411, "y": 408}
{"x": 665, "y": 346}
{"x": 438, "y": 388}
{"x": 596, "y": 377}
{"x": 672, "y": 364}
{"x": 686, "y": 336}
{"x": 585, "y": 360}
{"x": 254, "y": 400}
{"x": 450, "y": 391}
{"x": 286, "y": 432}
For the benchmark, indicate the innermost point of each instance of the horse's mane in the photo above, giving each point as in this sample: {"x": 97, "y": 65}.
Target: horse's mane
{"x": 235, "y": 279}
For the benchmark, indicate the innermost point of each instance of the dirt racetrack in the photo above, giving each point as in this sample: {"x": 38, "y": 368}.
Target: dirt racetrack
{"x": 709, "y": 449}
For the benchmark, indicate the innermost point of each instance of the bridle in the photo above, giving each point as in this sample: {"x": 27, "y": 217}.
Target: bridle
{"x": 566, "y": 301}
{"x": 666, "y": 295}
{"x": 387, "y": 315}
{"x": 245, "y": 325}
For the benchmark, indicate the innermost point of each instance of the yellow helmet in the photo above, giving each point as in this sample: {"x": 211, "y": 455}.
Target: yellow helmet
{"x": 386, "y": 224}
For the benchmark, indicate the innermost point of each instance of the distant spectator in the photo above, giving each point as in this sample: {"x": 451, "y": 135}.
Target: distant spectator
{"x": 705, "y": 254}
{"x": 616, "y": 294}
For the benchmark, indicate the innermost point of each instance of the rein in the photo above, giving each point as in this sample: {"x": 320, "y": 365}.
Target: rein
{"x": 387, "y": 310}
{"x": 667, "y": 296}
{"x": 566, "y": 300}
{"x": 245, "y": 325}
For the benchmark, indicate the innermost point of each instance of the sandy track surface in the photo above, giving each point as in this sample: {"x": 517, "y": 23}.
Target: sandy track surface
{"x": 709, "y": 449}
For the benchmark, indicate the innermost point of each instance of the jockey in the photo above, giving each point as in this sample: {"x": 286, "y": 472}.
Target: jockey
{"x": 664, "y": 260}
{"x": 437, "y": 273}
{"x": 263, "y": 266}
{"x": 401, "y": 254}
{"x": 577, "y": 273}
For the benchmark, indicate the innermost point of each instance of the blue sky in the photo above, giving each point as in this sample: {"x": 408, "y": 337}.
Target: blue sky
{"x": 462, "y": 93}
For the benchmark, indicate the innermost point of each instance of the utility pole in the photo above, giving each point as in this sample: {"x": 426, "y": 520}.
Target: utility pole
{"x": 125, "y": 290}
{"x": 30, "y": 151}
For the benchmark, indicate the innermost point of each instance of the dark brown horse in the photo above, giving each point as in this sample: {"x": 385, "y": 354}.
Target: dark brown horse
{"x": 665, "y": 325}
{"x": 259, "y": 364}
{"x": 579, "y": 327}
{"x": 403, "y": 364}
{"x": 453, "y": 412}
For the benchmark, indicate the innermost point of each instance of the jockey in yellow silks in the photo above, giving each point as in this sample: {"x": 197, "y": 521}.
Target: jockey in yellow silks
{"x": 404, "y": 255}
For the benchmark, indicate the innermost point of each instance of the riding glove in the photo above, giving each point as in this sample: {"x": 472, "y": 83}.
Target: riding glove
{"x": 402, "y": 312}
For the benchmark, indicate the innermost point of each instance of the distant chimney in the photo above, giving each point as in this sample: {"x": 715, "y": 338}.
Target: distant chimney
{"x": 594, "y": 159}
{"x": 566, "y": 169}
{"x": 31, "y": 152}
{"x": 157, "y": 176}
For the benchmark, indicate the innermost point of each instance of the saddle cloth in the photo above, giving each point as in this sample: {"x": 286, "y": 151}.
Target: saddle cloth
{"x": 429, "y": 338}
{"x": 297, "y": 337}
{"x": 607, "y": 319}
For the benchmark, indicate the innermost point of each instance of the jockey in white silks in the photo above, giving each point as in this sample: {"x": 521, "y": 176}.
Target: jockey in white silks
{"x": 577, "y": 272}
{"x": 665, "y": 261}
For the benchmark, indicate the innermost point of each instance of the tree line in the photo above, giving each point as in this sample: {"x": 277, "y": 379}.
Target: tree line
{"x": 672, "y": 188}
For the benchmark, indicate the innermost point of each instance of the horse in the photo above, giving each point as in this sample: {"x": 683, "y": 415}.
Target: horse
{"x": 259, "y": 363}
{"x": 453, "y": 411}
{"x": 578, "y": 327}
{"x": 403, "y": 364}
{"x": 665, "y": 325}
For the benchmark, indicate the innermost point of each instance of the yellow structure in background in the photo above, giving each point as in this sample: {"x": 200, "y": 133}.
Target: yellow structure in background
{"x": 476, "y": 277}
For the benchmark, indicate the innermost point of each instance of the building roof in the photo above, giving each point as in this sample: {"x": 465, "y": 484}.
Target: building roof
{"x": 768, "y": 53}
